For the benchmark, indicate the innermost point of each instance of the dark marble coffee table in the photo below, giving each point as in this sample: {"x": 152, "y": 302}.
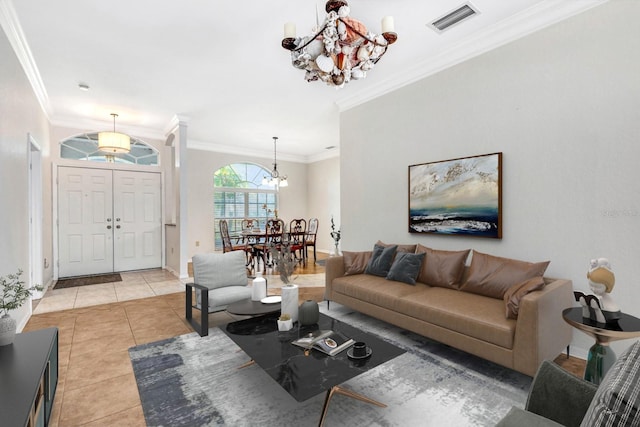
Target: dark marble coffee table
{"x": 306, "y": 375}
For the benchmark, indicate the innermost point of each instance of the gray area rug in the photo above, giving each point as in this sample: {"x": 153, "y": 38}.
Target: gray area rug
{"x": 194, "y": 381}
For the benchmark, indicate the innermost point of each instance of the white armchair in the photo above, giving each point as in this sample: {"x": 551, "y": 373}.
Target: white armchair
{"x": 219, "y": 280}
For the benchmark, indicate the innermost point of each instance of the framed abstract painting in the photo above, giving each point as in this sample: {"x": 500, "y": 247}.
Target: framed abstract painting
{"x": 457, "y": 197}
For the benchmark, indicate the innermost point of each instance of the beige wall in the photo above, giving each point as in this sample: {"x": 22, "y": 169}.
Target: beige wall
{"x": 324, "y": 198}
{"x": 20, "y": 115}
{"x": 563, "y": 105}
{"x": 202, "y": 164}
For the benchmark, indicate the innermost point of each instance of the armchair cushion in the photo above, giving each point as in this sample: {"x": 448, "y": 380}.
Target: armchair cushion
{"x": 617, "y": 401}
{"x": 220, "y": 270}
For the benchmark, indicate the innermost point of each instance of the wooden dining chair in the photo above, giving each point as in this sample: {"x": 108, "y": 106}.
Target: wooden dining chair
{"x": 273, "y": 238}
{"x": 297, "y": 238}
{"x": 227, "y": 246}
{"x": 250, "y": 223}
{"x": 310, "y": 239}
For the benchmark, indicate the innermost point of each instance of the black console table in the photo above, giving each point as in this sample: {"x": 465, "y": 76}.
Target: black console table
{"x": 28, "y": 378}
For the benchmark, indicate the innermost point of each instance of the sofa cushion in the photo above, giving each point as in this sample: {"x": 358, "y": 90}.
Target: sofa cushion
{"x": 401, "y": 248}
{"x": 469, "y": 314}
{"x": 617, "y": 400}
{"x": 492, "y": 276}
{"x": 515, "y": 293}
{"x": 405, "y": 267}
{"x": 217, "y": 270}
{"x": 355, "y": 262}
{"x": 376, "y": 290}
{"x": 442, "y": 268}
{"x": 381, "y": 260}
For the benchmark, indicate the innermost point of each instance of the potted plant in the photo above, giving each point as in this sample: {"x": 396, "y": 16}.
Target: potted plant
{"x": 285, "y": 323}
{"x": 13, "y": 294}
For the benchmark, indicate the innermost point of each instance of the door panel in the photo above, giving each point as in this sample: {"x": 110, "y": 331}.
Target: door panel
{"x": 84, "y": 215}
{"x": 108, "y": 221}
{"x": 138, "y": 226}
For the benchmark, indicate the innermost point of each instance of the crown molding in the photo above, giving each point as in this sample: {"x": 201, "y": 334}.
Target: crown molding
{"x": 12, "y": 28}
{"x": 244, "y": 151}
{"x": 522, "y": 24}
{"x": 92, "y": 125}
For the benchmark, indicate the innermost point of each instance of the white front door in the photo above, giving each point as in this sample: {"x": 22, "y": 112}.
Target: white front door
{"x": 85, "y": 226}
{"x": 137, "y": 220}
{"x": 108, "y": 221}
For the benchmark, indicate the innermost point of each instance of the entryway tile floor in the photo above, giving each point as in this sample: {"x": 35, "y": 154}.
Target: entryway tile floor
{"x": 134, "y": 285}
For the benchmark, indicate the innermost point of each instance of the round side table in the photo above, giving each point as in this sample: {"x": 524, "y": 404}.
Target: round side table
{"x": 601, "y": 356}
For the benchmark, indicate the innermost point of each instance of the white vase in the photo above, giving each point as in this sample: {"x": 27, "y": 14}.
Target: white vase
{"x": 289, "y": 304}
{"x": 336, "y": 251}
{"x": 7, "y": 330}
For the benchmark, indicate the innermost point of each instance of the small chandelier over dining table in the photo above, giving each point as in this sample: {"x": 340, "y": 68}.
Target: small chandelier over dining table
{"x": 275, "y": 179}
{"x": 340, "y": 50}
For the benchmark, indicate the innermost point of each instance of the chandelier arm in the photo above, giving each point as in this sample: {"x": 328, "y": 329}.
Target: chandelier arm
{"x": 311, "y": 39}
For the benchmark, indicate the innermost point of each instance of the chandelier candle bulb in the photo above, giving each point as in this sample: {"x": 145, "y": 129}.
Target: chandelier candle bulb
{"x": 387, "y": 25}
{"x": 290, "y": 30}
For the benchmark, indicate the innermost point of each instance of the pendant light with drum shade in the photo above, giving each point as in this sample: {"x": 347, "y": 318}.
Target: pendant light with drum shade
{"x": 114, "y": 142}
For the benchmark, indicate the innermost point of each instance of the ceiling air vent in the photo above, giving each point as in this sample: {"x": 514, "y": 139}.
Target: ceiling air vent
{"x": 454, "y": 17}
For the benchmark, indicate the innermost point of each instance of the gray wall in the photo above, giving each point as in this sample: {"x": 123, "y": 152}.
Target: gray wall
{"x": 563, "y": 105}
{"x": 20, "y": 115}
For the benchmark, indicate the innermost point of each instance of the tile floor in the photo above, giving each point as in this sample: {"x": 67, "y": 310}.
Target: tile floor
{"x": 134, "y": 285}
{"x": 98, "y": 324}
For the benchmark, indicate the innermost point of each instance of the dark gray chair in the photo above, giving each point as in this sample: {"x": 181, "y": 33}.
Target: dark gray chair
{"x": 558, "y": 398}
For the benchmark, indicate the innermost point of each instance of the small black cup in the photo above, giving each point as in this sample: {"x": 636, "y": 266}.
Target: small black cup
{"x": 359, "y": 349}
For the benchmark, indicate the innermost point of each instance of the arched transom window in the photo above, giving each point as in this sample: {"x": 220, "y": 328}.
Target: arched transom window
{"x": 85, "y": 147}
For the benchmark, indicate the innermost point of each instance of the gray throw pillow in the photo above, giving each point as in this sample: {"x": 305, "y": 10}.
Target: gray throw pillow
{"x": 381, "y": 259}
{"x": 616, "y": 402}
{"x": 220, "y": 270}
{"x": 406, "y": 267}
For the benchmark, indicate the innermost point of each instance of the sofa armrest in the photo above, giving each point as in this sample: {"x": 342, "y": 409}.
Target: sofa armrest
{"x": 560, "y": 396}
{"x": 541, "y": 332}
{"x": 333, "y": 268}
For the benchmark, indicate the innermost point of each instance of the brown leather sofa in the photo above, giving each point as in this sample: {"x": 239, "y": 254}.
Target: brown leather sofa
{"x": 460, "y": 318}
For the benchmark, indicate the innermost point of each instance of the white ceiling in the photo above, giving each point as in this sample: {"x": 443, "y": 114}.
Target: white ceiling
{"x": 219, "y": 65}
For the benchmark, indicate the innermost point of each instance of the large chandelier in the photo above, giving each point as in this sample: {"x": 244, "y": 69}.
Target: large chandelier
{"x": 341, "y": 49}
{"x": 275, "y": 179}
{"x": 114, "y": 142}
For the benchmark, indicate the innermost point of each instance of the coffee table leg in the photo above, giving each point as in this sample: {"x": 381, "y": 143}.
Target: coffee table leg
{"x": 249, "y": 363}
{"x": 346, "y": 392}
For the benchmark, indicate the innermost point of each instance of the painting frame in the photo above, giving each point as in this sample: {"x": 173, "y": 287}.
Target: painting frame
{"x": 457, "y": 197}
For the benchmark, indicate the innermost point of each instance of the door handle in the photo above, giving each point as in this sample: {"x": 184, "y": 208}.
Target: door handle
{"x": 118, "y": 226}
{"x": 117, "y": 219}
{"x": 108, "y": 227}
